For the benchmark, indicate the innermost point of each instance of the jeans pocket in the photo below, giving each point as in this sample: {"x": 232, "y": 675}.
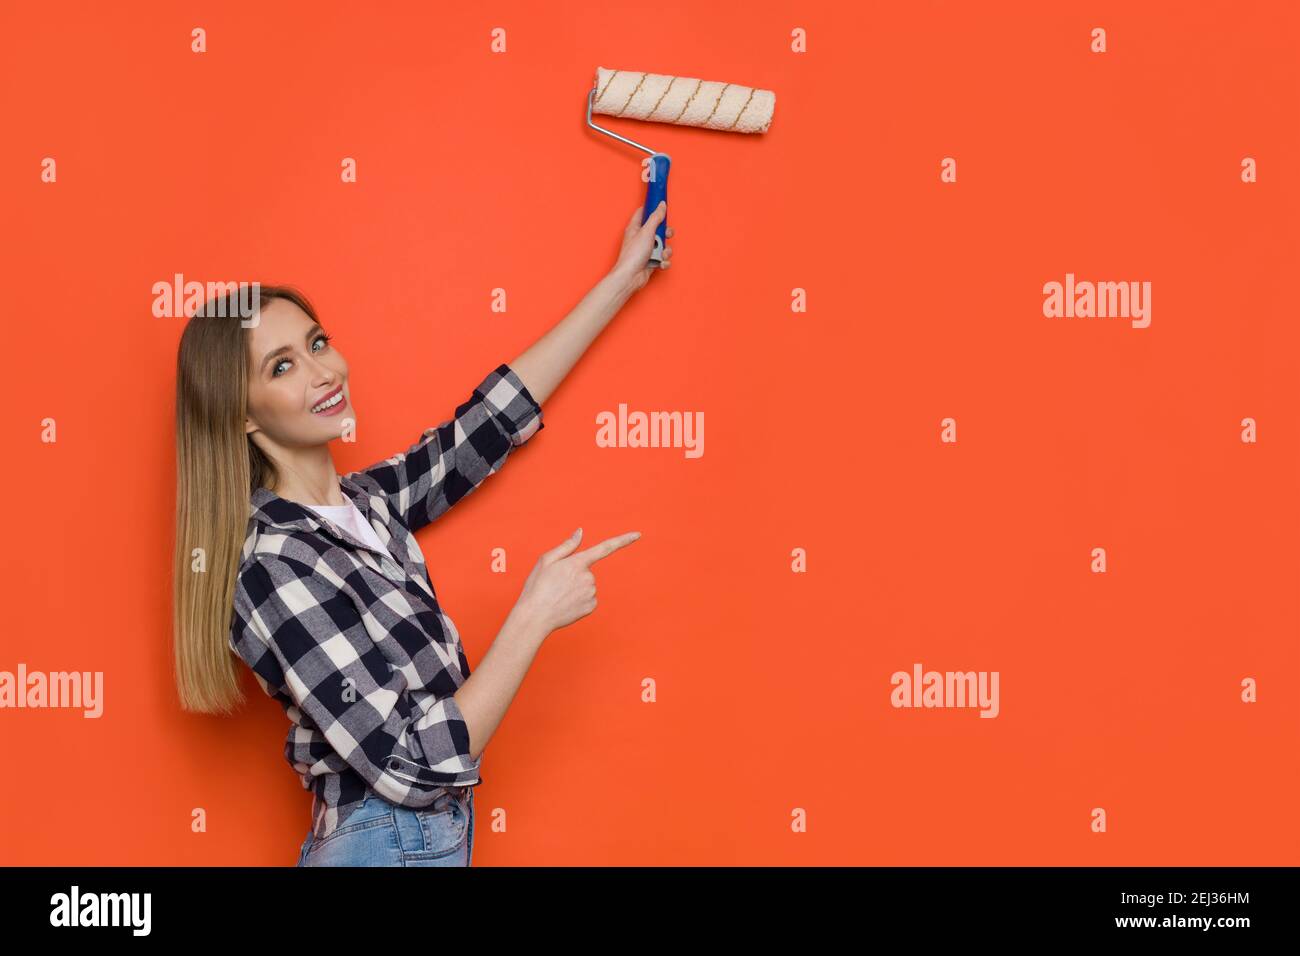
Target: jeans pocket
{"x": 370, "y": 814}
{"x": 436, "y": 832}
{"x": 371, "y": 842}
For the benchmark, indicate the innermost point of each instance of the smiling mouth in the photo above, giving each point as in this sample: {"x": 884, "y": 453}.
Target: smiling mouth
{"x": 333, "y": 402}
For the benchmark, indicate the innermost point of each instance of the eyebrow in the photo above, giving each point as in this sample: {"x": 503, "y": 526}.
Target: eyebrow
{"x": 285, "y": 348}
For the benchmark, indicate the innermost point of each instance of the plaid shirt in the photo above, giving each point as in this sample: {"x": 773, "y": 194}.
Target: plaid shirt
{"x": 351, "y": 641}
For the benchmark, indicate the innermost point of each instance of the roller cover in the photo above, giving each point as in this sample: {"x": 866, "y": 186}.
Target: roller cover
{"x": 687, "y": 102}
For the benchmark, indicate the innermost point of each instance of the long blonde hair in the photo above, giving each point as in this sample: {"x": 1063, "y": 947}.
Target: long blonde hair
{"x": 217, "y": 469}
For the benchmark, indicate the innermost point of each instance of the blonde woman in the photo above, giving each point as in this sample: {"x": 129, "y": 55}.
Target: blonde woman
{"x": 316, "y": 582}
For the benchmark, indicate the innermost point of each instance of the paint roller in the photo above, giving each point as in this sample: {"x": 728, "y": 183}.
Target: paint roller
{"x": 656, "y": 98}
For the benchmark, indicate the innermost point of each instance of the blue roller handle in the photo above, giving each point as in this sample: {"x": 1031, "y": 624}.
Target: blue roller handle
{"x": 656, "y": 192}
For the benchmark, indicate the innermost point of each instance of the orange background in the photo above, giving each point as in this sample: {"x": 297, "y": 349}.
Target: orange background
{"x": 476, "y": 170}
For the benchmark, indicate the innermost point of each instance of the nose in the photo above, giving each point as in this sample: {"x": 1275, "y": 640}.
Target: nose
{"x": 322, "y": 374}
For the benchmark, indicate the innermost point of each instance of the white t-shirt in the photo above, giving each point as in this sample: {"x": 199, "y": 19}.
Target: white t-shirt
{"x": 350, "y": 519}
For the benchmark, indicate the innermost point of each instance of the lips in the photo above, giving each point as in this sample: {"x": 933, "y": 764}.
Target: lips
{"x": 333, "y": 409}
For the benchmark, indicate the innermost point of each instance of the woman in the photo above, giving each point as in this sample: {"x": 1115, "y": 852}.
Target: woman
{"x": 316, "y": 582}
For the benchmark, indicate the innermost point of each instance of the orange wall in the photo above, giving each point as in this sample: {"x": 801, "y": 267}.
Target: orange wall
{"x": 476, "y": 170}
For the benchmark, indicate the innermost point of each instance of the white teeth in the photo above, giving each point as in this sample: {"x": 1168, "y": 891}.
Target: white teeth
{"x": 338, "y": 397}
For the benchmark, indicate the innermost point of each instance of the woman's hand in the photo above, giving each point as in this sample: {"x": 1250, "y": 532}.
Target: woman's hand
{"x": 561, "y": 588}
{"x": 634, "y": 269}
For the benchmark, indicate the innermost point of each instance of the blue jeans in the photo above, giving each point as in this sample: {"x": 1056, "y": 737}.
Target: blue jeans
{"x": 379, "y": 833}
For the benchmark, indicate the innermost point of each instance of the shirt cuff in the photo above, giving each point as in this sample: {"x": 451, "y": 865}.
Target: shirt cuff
{"x": 511, "y": 404}
{"x": 443, "y": 736}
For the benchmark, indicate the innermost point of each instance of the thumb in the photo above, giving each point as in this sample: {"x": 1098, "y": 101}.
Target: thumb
{"x": 565, "y": 547}
{"x": 656, "y": 217}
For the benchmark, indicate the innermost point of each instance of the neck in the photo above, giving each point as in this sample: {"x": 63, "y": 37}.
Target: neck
{"x": 308, "y": 477}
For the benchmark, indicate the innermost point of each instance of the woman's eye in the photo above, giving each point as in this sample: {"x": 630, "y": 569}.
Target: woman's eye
{"x": 320, "y": 338}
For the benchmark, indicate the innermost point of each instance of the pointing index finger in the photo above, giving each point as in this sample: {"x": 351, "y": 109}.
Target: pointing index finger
{"x": 606, "y": 548}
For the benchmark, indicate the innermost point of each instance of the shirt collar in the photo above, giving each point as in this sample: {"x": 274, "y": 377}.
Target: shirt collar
{"x": 268, "y": 508}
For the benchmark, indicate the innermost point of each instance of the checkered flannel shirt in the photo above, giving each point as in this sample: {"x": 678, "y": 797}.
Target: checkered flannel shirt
{"x": 352, "y": 641}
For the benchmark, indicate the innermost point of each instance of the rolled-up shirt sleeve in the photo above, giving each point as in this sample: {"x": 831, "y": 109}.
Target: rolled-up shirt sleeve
{"x": 298, "y": 633}
{"x": 453, "y": 458}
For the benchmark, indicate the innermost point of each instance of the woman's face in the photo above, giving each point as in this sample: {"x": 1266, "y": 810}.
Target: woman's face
{"x": 293, "y": 369}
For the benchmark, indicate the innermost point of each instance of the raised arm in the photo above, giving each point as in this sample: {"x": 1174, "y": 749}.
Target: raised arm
{"x": 545, "y": 363}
